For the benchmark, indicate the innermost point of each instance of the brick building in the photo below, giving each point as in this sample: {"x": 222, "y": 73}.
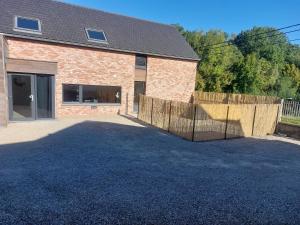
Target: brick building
{"x": 59, "y": 60}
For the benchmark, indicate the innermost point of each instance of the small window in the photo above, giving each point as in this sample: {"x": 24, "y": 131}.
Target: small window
{"x": 27, "y": 24}
{"x": 70, "y": 93}
{"x": 95, "y": 35}
{"x": 141, "y": 61}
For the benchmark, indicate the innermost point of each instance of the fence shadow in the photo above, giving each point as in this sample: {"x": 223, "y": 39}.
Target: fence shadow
{"x": 124, "y": 174}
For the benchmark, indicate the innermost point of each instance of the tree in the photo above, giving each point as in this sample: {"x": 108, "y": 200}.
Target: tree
{"x": 257, "y": 61}
{"x": 293, "y": 55}
{"x": 286, "y": 87}
{"x": 214, "y": 68}
{"x": 266, "y": 42}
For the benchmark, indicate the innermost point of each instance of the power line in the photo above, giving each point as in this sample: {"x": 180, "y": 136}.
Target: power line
{"x": 258, "y": 34}
{"x": 221, "y": 53}
{"x": 229, "y": 44}
{"x": 297, "y": 39}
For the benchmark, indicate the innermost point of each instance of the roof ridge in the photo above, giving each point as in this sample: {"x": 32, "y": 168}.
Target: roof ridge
{"x": 115, "y": 14}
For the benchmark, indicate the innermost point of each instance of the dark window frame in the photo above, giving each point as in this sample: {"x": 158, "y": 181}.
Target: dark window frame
{"x": 144, "y": 66}
{"x": 28, "y": 30}
{"x": 93, "y": 39}
{"x": 81, "y": 97}
{"x": 63, "y": 92}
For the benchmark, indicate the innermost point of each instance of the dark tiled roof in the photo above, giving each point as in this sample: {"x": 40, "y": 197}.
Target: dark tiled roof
{"x": 66, "y": 23}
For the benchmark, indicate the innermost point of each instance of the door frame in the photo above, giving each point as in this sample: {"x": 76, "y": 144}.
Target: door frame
{"x": 34, "y": 114}
{"x": 134, "y": 89}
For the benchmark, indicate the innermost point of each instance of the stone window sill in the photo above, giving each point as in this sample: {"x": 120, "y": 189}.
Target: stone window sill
{"x": 90, "y": 104}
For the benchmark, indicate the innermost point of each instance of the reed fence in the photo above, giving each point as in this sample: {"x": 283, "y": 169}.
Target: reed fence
{"x": 227, "y": 98}
{"x": 203, "y": 122}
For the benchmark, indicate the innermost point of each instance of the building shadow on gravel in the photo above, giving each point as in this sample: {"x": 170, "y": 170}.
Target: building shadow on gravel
{"x": 107, "y": 173}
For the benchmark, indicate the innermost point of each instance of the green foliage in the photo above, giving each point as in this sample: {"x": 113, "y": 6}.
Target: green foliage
{"x": 254, "y": 75}
{"x": 254, "y": 62}
{"x": 293, "y": 55}
{"x": 271, "y": 46}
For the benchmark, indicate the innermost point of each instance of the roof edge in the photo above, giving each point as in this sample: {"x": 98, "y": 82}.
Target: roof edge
{"x": 97, "y": 47}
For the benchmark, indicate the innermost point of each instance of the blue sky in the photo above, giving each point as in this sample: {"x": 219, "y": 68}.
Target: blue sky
{"x": 230, "y": 16}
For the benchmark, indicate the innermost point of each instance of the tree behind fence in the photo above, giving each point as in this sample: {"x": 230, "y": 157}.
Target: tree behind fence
{"x": 202, "y": 122}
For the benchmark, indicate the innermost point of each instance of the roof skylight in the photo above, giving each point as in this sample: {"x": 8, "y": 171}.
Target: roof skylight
{"x": 95, "y": 35}
{"x": 27, "y": 24}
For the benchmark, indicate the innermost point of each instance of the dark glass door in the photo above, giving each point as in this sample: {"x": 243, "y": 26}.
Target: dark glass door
{"x": 139, "y": 88}
{"x": 44, "y": 97}
{"x": 31, "y": 97}
{"x": 21, "y": 97}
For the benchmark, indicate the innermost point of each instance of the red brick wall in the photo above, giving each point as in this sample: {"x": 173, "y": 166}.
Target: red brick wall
{"x": 171, "y": 79}
{"x": 81, "y": 66}
{"x": 165, "y": 78}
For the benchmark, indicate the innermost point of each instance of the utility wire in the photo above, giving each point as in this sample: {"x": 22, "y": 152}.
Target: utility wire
{"x": 297, "y": 39}
{"x": 258, "y": 34}
{"x": 229, "y": 44}
{"x": 221, "y": 53}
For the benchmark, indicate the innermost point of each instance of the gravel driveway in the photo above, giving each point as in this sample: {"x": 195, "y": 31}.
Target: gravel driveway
{"x": 114, "y": 171}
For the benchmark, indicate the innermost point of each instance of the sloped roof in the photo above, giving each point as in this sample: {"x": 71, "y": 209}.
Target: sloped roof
{"x": 66, "y": 23}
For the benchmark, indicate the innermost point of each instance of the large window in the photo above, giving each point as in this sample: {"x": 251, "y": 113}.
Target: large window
{"x": 91, "y": 94}
{"x": 141, "y": 61}
{"x": 27, "y": 24}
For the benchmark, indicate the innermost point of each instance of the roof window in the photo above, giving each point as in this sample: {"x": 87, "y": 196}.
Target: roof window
{"x": 27, "y": 24}
{"x": 95, "y": 35}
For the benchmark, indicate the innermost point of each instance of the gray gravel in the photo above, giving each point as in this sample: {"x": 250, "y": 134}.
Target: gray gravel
{"x": 107, "y": 173}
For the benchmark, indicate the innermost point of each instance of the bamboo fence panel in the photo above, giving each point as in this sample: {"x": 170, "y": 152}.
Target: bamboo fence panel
{"x": 181, "y": 119}
{"x": 145, "y": 108}
{"x": 210, "y": 122}
{"x": 204, "y": 122}
{"x": 160, "y": 113}
{"x": 227, "y": 98}
{"x": 266, "y": 118}
{"x": 209, "y": 97}
{"x": 240, "y": 121}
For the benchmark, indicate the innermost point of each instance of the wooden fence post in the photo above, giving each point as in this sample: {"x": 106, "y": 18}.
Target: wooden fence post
{"x": 280, "y": 111}
{"x": 138, "y": 113}
{"x": 126, "y": 110}
{"x": 226, "y": 125}
{"x": 170, "y": 111}
{"x": 253, "y": 123}
{"x": 152, "y": 112}
{"x": 277, "y": 117}
{"x": 194, "y": 122}
{"x": 139, "y": 97}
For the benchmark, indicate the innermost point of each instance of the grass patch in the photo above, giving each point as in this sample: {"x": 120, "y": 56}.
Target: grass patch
{"x": 291, "y": 120}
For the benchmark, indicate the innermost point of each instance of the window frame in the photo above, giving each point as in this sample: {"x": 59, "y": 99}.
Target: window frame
{"x": 139, "y": 66}
{"x": 79, "y": 94}
{"x": 80, "y": 100}
{"x": 95, "y": 40}
{"x": 17, "y": 28}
